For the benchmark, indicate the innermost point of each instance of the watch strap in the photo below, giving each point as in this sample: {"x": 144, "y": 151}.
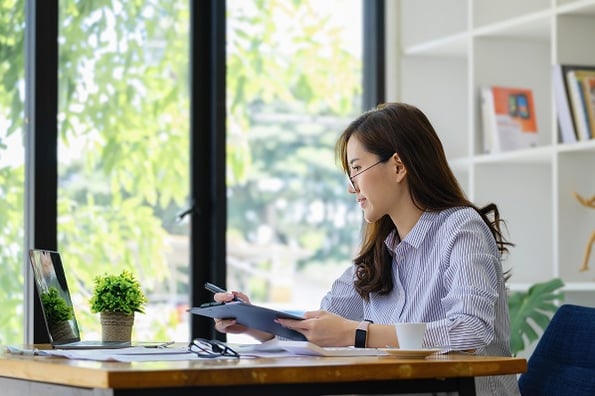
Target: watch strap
{"x": 361, "y": 334}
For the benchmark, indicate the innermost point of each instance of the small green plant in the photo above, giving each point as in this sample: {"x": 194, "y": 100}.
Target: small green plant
{"x": 531, "y": 309}
{"x": 118, "y": 293}
{"x": 55, "y": 306}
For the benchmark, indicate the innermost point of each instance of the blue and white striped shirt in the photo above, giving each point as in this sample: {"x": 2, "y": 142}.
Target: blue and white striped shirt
{"x": 447, "y": 273}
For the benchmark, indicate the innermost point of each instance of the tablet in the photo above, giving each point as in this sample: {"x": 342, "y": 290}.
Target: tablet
{"x": 252, "y": 316}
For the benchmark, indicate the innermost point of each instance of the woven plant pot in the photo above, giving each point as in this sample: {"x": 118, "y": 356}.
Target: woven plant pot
{"x": 116, "y": 326}
{"x": 62, "y": 331}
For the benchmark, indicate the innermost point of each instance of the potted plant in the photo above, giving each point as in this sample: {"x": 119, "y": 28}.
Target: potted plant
{"x": 58, "y": 314}
{"x": 116, "y": 298}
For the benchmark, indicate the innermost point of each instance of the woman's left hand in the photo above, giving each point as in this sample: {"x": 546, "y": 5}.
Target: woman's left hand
{"x": 323, "y": 328}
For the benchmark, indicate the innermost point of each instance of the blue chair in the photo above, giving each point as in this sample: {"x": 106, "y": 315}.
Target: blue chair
{"x": 563, "y": 362}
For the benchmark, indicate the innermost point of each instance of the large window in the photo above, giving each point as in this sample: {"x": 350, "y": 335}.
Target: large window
{"x": 124, "y": 151}
{"x": 294, "y": 82}
{"x": 12, "y": 169}
{"x": 123, "y": 154}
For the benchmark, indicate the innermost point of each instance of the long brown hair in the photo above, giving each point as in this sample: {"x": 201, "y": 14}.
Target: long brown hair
{"x": 404, "y": 129}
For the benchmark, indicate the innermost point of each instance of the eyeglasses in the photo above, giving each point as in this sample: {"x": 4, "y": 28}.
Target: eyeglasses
{"x": 350, "y": 178}
{"x": 211, "y": 348}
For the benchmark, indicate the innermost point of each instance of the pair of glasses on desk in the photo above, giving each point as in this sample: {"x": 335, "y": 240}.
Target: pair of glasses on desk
{"x": 204, "y": 348}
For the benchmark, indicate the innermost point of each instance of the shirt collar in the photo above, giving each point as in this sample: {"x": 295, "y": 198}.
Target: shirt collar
{"x": 417, "y": 234}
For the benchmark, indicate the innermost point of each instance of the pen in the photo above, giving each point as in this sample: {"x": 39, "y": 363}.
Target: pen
{"x": 160, "y": 345}
{"x": 216, "y": 289}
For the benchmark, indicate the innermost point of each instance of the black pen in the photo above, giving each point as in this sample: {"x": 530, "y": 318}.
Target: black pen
{"x": 216, "y": 289}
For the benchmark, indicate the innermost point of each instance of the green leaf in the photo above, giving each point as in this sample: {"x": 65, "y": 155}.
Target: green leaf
{"x": 530, "y": 310}
{"x": 117, "y": 293}
{"x": 55, "y": 306}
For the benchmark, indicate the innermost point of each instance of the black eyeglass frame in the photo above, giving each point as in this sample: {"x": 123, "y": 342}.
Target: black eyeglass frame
{"x": 350, "y": 178}
{"x": 211, "y": 348}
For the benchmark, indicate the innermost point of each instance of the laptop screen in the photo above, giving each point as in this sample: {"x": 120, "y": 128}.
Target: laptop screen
{"x": 52, "y": 288}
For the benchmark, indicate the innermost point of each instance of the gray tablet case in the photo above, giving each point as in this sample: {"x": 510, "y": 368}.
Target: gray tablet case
{"x": 252, "y": 316}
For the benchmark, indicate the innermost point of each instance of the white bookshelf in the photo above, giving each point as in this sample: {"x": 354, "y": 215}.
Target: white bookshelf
{"x": 447, "y": 50}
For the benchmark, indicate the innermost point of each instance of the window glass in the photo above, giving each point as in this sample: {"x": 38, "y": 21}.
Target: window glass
{"x": 123, "y": 155}
{"x": 294, "y": 82}
{"x": 12, "y": 169}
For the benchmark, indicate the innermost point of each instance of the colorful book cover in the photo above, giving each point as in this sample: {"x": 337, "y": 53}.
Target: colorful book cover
{"x": 579, "y": 102}
{"x": 589, "y": 96}
{"x": 509, "y": 115}
{"x": 566, "y": 124}
{"x": 572, "y": 101}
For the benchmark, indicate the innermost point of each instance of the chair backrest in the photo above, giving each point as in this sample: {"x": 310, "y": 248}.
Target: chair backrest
{"x": 563, "y": 362}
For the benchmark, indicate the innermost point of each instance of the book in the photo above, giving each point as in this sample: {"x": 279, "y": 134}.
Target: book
{"x": 578, "y": 101}
{"x": 589, "y": 95}
{"x": 571, "y": 105}
{"x": 566, "y": 125}
{"x": 508, "y": 118}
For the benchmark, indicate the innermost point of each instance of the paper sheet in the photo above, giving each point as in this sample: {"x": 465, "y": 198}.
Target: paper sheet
{"x": 272, "y": 348}
{"x": 133, "y": 354}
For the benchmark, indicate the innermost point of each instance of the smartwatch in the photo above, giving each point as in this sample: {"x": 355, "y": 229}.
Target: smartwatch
{"x": 361, "y": 334}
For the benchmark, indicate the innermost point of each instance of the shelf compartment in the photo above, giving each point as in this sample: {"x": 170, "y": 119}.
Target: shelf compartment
{"x": 576, "y": 222}
{"x": 523, "y": 193}
{"x": 424, "y": 21}
{"x": 535, "y": 26}
{"x": 456, "y": 45}
{"x": 486, "y": 12}
{"x": 514, "y": 62}
{"x": 438, "y": 86}
{"x": 574, "y": 39}
{"x": 583, "y": 7}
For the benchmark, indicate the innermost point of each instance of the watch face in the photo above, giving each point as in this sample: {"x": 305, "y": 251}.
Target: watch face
{"x": 360, "y": 338}
{"x": 361, "y": 334}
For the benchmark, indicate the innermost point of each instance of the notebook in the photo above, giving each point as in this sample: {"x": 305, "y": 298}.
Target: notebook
{"x": 50, "y": 281}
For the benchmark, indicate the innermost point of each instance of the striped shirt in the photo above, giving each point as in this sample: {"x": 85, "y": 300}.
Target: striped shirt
{"x": 447, "y": 273}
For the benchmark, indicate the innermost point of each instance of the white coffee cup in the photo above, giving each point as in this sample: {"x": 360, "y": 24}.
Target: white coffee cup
{"x": 410, "y": 335}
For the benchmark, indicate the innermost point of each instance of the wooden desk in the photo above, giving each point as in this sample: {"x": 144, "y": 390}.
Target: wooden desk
{"x": 287, "y": 376}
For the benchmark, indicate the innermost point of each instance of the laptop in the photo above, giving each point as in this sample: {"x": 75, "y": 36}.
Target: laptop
{"x": 62, "y": 327}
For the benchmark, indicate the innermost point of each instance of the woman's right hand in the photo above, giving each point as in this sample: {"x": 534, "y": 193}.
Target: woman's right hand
{"x": 230, "y": 326}
{"x": 230, "y": 295}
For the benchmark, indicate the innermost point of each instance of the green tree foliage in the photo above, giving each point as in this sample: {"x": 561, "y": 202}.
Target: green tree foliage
{"x": 124, "y": 97}
{"x": 284, "y": 56}
{"x": 293, "y": 86}
{"x": 12, "y": 38}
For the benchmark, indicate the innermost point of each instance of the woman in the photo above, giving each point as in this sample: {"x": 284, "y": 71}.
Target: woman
{"x": 427, "y": 255}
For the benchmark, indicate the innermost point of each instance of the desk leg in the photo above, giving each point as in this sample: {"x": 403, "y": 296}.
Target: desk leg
{"x": 467, "y": 386}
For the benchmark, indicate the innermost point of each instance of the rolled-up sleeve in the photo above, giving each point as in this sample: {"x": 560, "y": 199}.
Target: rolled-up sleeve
{"x": 342, "y": 299}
